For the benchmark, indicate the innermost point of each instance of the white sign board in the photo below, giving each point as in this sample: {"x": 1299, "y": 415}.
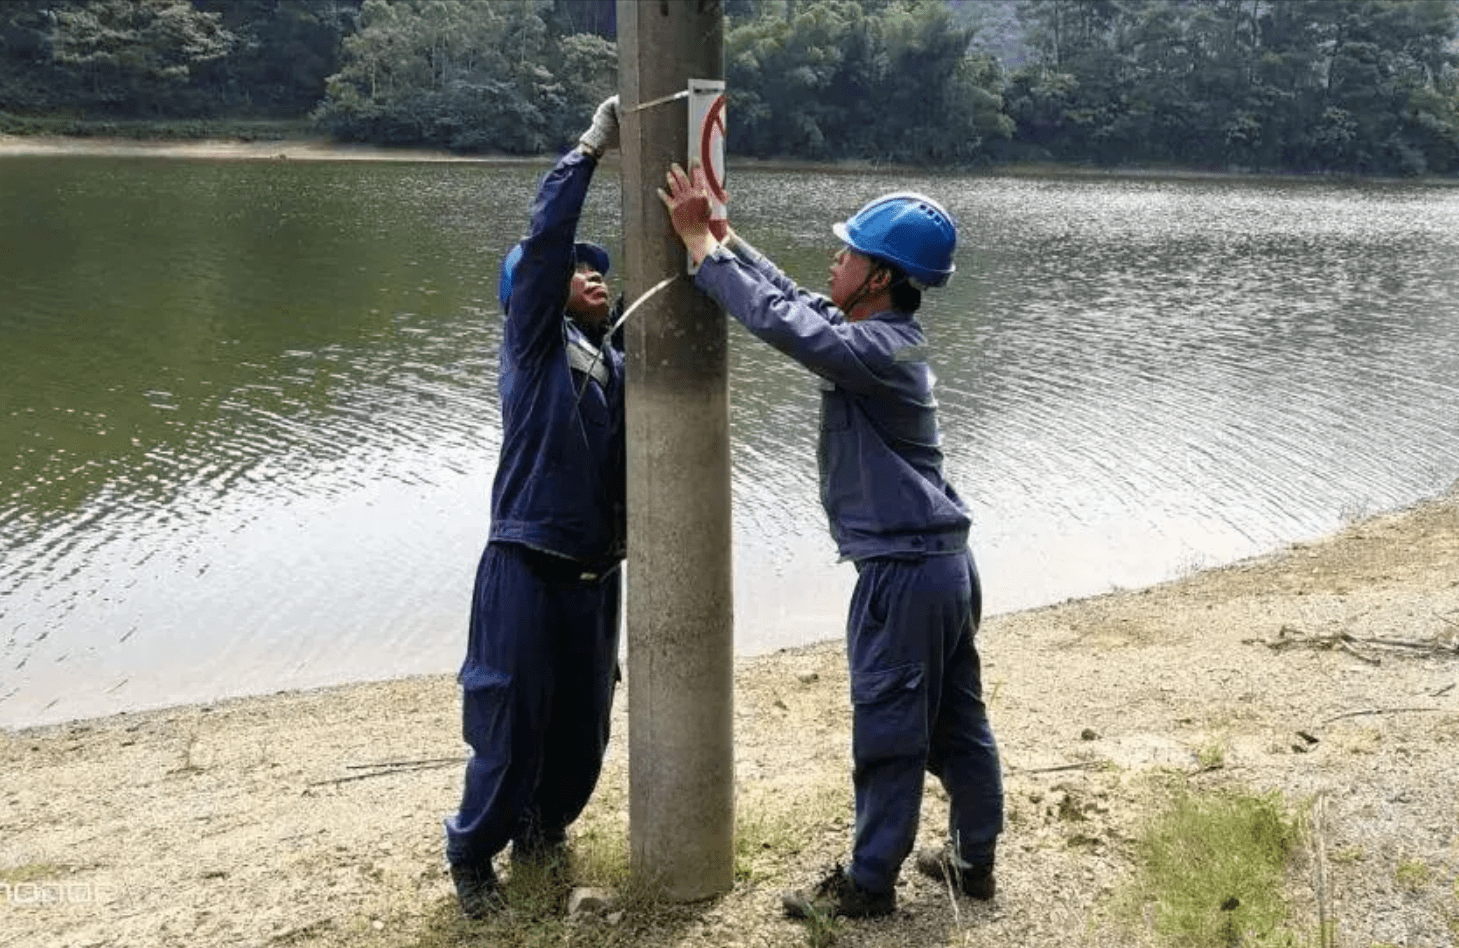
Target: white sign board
{"x": 706, "y": 143}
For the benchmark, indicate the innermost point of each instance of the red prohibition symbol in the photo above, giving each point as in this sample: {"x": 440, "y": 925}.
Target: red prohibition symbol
{"x": 713, "y": 124}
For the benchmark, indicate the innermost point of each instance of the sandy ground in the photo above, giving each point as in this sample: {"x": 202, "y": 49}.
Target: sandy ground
{"x": 1326, "y": 672}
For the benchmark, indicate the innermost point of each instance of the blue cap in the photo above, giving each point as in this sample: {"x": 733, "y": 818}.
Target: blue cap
{"x": 591, "y": 254}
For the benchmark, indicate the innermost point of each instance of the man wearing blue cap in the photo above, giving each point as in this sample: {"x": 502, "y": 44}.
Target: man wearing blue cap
{"x": 916, "y": 683}
{"x": 542, "y": 655}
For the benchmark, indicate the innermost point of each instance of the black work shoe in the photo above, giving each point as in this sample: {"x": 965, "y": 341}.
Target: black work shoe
{"x": 838, "y": 894}
{"x": 534, "y": 845}
{"x": 975, "y": 880}
{"x": 549, "y": 862}
{"x": 477, "y": 890}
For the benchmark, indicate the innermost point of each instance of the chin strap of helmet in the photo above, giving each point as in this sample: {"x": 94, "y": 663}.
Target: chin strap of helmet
{"x": 864, "y": 291}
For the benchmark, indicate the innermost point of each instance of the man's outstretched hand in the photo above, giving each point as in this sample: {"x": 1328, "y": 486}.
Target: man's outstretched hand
{"x": 690, "y": 211}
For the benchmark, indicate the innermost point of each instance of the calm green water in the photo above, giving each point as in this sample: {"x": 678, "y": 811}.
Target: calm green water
{"x": 248, "y": 419}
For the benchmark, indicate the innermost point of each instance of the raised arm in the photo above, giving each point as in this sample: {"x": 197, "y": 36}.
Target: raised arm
{"x": 540, "y": 282}
{"x": 542, "y": 277}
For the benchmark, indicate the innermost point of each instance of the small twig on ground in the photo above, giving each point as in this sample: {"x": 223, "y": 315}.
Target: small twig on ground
{"x": 957, "y": 915}
{"x": 386, "y": 770}
{"x": 1289, "y": 636}
{"x": 1346, "y": 644}
{"x": 424, "y": 761}
{"x": 1082, "y": 765}
{"x": 1366, "y": 711}
{"x": 1431, "y": 646}
{"x": 1292, "y": 637}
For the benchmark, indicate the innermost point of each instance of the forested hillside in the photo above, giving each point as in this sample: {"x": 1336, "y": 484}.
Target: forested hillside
{"x": 1357, "y": 86}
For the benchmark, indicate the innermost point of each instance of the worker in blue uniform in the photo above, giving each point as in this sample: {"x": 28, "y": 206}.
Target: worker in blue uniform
{"x": 910, "y": 640}
{"x": 542, "y": 653}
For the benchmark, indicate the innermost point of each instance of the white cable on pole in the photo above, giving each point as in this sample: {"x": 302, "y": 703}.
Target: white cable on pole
{"x": 681, "y": 94}
{"x": 639, "y": 302}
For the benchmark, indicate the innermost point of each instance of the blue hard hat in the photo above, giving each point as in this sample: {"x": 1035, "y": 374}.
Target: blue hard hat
{"x": 591, "y": 254}
{"x": 907, "y": 229}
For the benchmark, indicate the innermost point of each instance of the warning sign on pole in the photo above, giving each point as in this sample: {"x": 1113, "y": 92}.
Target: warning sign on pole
{"x": 706, "y": 144}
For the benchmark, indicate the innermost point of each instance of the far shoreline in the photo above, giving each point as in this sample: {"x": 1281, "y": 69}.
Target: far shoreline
{"x": 322, "y": 148}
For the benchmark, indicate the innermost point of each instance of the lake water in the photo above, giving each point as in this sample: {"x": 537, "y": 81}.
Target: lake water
{"x": 248, "y": 411}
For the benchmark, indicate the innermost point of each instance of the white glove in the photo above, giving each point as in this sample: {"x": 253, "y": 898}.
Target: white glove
{"x": 604, "y": 132}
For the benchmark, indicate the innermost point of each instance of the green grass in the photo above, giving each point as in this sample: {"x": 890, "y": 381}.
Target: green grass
{"x": 534, "y": 913}
{"x": 822, "y": 931}
{"x": 1211, "y": 869}
{"x": 1414, "y": 875}
{"x": 31, "y": 872}
{"x": 1211, "y": 756}
{"x": 766, "y": 833}
{"x": 758, "y": 840}
{"x": 768, "y": 830}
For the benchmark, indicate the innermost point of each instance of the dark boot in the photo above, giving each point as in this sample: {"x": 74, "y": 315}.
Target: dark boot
{"x": 838, "y": 894}
{"x": 477, "y": 890}
{"x": 974, "y": 880}
{"x": 542, "y": 852}
{"x": 549, "y": 862}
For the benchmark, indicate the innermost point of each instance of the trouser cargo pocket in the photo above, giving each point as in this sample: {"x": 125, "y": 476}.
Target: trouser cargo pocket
{"x": 890, "y": 713}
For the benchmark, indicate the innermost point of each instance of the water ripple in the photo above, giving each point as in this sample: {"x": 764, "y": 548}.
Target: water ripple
{"x": 265, "y": 461}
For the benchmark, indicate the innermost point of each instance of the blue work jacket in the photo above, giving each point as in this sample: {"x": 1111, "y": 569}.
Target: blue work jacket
{"x": 879, "y": 454}
{"x": 560, "y": 483}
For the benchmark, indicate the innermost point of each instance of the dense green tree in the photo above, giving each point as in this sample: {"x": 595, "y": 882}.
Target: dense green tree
{"x": 1353, "y": 85}
{"x": 1364, "y": 86}
{"x": 996, "y": 30}
{"x": 570, "y": 17}
{"x": 119, "y": 58}
{"x": 286, "y": 50}
{"x": 840, "y": 79}
{"x": 135, "y": 54}
{"x": 1382, "y": 62}
{"x": 467, "y": 75}
{"x": 30, "y": 81}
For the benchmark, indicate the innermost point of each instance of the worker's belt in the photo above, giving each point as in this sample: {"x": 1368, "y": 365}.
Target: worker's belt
{"x": 560, "y": 569}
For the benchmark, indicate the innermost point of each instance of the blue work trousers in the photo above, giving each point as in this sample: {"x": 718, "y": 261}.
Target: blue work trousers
{"x": 917, "y": 705}
{"x": 536, "y": 696}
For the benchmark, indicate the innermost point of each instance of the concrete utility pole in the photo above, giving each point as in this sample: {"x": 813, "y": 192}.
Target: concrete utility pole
{"x": 680, "y": 590}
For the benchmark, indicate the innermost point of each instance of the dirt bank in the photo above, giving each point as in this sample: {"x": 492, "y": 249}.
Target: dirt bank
{"x": 1326, "y": 671}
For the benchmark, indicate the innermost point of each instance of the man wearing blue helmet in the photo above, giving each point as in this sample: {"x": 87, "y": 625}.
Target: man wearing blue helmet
{"x": 541, "y": 658}
{"x": 916, "y": 684}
